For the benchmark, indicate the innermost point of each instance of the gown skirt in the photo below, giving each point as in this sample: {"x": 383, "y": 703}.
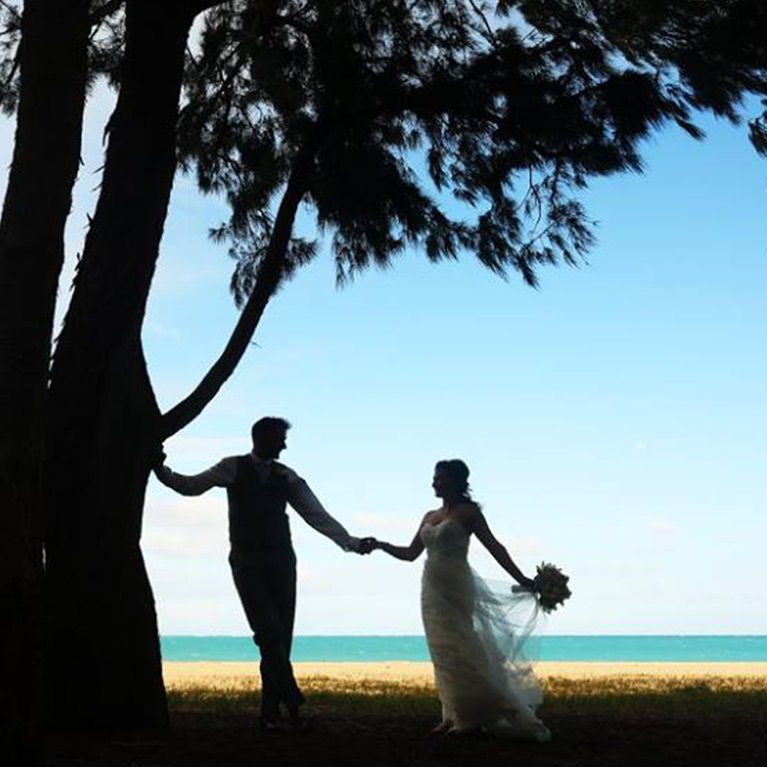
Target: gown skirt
{"x": 476, "y": 636}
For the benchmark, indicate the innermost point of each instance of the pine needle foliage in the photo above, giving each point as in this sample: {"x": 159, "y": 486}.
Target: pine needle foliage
{"x": 10, "y": 34}
{"x": 448, "y": 126}
{"x": 451, "y": 127}
{"x": 105, "y": 46}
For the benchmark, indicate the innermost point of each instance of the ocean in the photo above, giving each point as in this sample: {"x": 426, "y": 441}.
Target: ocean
{"x": 413, "y": 648}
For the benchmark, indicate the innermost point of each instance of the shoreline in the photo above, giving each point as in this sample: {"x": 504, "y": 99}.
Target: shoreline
{"x": 182, "y": 673}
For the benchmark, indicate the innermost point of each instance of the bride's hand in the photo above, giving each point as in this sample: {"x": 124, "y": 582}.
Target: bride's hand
{"x": 368, "y": 544}
{"x": 528, "y": 584}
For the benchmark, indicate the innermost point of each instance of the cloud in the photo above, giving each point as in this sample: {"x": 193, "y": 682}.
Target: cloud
{"x": 185, "y": 527}
{"x": 193, "y": 450}
{"x": 183, "y": 543}
{"x": 376, "y": 524}
{"x": 202, "y": 510}
{"x": 161, "y": 331}
{"x": 664, "y": 533}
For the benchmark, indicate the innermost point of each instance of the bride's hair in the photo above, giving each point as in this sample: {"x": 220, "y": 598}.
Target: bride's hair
{"x": 458, "y": 472}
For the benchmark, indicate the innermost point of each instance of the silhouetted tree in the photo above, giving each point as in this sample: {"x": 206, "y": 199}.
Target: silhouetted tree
{"x": 347, "y": 107}
{"x": 50, "y": 52}
{"x": 45, "y": 76}
{"x": 102, "y": 654}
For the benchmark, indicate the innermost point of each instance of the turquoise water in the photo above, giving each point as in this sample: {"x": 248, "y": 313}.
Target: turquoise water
{"x": 569, "y": 648}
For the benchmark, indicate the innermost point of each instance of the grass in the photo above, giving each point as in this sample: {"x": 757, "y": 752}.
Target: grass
{"x": 600, "y": 722}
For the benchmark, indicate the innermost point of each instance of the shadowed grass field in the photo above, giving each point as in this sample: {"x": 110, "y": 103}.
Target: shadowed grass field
{"x": 622, "y": 721}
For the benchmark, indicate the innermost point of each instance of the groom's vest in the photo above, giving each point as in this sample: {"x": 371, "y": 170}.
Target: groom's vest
{"x": 258, "y": 523}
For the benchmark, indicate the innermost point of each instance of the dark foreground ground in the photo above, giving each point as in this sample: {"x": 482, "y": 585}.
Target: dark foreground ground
{"x": 639, "y": 722}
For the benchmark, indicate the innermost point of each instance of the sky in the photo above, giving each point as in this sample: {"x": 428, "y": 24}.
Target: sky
{"x": 614, "y": 420}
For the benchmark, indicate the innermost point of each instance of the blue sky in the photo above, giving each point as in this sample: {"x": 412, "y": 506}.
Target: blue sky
{"x": 613, "y": 420}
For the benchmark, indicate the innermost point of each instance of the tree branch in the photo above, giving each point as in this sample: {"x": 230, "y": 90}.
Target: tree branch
{"x": 490, "y": 33}
{"x": 11, "y": 9}
{"x": 270, "y": 273}
{"x": 14, "y": 68}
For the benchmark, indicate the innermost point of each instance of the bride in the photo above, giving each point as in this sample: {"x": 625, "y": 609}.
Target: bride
{"x": 483, "y": 680}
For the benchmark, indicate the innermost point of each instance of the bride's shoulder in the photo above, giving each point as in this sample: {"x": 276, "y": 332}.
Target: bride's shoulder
{"x": 469, "y": 513}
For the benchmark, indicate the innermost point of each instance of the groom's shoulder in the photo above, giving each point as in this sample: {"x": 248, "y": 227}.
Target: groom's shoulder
{"x": 234, "y": 459}
{"x": 281, "y": 470}
{"x": 230, "y": 463}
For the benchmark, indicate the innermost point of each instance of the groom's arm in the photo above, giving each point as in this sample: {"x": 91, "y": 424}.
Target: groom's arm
{"x": 222, "y": 474}
{"x": 306, "y": 503}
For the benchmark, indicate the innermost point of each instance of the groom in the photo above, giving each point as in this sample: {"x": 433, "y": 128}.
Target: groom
{"x": 261, "y": 556}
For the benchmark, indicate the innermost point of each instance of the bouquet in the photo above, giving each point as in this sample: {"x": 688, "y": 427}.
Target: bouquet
{"x": 550, "y": 584}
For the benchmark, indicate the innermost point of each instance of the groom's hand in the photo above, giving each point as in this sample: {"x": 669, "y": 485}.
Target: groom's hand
{"x": 367, "y": 545}
{"x": 158, "y": 459}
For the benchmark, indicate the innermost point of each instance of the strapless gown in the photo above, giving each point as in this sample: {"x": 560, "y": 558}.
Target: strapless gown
{"x": 482, "y": 676}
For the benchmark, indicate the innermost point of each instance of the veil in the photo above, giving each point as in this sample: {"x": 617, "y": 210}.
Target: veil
{"x": 509, "y": 625}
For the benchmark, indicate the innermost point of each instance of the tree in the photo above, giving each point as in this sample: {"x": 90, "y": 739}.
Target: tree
{"x": 62, "y": 46}
{"x": 46, "y": 77}
{"x": 95, "y": 576}
{"x": 333, "y": 104}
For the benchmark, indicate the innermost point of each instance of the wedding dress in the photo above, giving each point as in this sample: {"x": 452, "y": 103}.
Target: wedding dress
{"x": 475, "y": 640}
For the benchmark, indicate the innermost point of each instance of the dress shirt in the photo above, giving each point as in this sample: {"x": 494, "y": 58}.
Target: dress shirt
{"x": 300, "y": 495}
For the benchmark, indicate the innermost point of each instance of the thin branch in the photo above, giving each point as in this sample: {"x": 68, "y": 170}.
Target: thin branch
{"x": 530, "y": 243}
{"x": 14, "y": 11}
{"x": 490, "y": 31}
{"x": 270, "y": 273}
{"x": 8, "y": 80}
{"x": 533, "y": 189}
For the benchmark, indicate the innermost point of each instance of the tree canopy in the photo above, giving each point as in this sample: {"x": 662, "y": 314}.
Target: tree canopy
{"x": 451, "y": 125}
{"x": 507, "y": 107}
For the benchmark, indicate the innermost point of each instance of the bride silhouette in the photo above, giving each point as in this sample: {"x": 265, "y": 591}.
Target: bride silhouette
{"x": 483, "y": 680}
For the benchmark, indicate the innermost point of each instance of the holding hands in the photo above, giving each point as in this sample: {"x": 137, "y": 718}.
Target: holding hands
{"x": 369, "y": 544}
{"x": 361, "y": 545}
{"x": 366, "y": 545}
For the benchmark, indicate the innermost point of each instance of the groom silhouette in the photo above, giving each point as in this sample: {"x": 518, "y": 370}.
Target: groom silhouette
{"x": 261, "y": 556}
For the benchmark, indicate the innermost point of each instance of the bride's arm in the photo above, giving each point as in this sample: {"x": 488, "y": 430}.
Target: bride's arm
{"x": 480, "y": 528}
{"x": 406, "y": 553}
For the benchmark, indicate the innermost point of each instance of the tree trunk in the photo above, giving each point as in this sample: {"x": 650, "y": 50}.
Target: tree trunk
{"x": 102, "y": 652}
{"x": 37, "y": 203}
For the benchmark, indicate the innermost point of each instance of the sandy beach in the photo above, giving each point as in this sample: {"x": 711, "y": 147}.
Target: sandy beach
{"x": 181, "y": 673}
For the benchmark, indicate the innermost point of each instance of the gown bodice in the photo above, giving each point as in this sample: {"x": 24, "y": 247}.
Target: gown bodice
{"x": 447, "y": 539}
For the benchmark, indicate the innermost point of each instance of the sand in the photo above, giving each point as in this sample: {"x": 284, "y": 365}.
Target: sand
{"x": 181, "y": 673}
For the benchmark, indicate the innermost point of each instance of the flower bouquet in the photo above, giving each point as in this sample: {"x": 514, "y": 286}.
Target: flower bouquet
{"x": 550, "y": 584}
